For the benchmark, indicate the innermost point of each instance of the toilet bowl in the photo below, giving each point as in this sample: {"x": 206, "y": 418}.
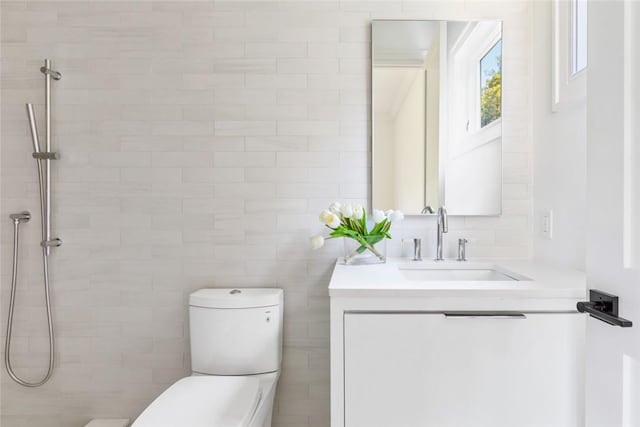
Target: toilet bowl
{"x": 207, "y": 401}
{"x": 236, "y": 350}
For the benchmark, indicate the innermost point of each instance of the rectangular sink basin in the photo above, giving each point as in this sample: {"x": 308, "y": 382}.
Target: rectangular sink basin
{"x": 456, "y": 274}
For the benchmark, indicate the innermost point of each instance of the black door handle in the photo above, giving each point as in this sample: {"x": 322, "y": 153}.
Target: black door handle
{"x": 604, "y": 307}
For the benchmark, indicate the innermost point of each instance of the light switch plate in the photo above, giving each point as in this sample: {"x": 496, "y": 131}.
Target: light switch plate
{"x": 546, "y": 224}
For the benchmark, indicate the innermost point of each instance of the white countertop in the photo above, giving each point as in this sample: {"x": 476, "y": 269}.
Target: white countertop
{"x": 378, "y": 280}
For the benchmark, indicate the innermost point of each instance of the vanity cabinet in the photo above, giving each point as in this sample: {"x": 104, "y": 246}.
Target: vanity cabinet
{"x": 414, "y": 347}
{"x": 414, "y": 369}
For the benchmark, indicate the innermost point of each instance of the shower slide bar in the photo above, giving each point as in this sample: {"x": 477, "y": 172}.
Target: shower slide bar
{"x": 43, "y": 162}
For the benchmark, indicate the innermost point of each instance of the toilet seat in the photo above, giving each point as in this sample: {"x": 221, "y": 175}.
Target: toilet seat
{"x": 204, "y": 401}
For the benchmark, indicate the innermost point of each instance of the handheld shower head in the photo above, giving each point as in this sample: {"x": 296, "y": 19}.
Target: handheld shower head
{"x": 34, "y": 128}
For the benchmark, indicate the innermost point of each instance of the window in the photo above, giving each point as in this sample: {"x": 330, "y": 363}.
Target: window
{"x": 474, "y": 75}
{"x": 491, "y": 85}
{"x": 578, "y": 36}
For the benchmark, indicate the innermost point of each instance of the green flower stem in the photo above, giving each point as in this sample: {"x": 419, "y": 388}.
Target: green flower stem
{"x": 364, "y": 245}
{"x": 356, "y": 229}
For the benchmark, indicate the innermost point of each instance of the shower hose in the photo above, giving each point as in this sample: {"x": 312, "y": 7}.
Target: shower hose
{"x": 17, "y": 219}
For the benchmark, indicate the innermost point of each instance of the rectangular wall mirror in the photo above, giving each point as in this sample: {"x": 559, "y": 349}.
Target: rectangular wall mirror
{"x": 437, "y": 116}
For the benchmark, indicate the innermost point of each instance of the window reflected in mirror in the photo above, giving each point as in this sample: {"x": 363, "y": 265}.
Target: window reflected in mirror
{"x": 491, "y": 85}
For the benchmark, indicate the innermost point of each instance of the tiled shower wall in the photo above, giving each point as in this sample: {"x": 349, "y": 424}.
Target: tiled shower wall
{"x": 199, "y": 141}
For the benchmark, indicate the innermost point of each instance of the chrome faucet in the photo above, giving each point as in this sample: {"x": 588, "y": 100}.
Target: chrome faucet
{"x": 442, "y": 228}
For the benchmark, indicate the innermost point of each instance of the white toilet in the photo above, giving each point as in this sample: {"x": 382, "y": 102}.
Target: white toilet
{"x": 236, "y": 350}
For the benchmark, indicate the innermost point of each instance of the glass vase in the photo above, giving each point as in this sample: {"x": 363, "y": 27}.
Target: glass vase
{"x": 357, "y": 254}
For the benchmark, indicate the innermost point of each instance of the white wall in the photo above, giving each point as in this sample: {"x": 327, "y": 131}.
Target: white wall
{"x": 473, "y": 156}
{"x": 383, "y": 162}
{"x": 409, "y": 148}
{"x": 432, "y": 133}
{"x": 399, "y": 134}
{"x": 473, "y": 179}
{"x": 559, "y": 146}
{"x": 199, "y": 143}
{"x": 399, "y": 155}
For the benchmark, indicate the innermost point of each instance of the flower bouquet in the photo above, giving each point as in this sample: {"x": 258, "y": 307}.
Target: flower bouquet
{"x": 363, "y": 244}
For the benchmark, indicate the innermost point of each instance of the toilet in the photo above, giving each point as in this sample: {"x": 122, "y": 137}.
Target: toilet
{"x": 236, "y": 350}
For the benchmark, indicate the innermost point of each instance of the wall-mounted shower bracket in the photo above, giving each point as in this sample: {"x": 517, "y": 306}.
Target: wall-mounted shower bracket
{"x": 51, "y": 243}
{"x": 49, "y": 72}
{"x": 44, "y": 155}
{"x": 24, "y": 216}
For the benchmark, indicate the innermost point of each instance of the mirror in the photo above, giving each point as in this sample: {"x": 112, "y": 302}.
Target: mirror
{"x": 437, "y": 116}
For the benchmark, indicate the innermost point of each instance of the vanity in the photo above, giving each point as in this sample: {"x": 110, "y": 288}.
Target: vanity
{"x": 438, "y": 344}
{"x": 451, "y": 343}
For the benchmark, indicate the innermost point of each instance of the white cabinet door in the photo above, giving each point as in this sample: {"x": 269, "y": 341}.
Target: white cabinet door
{"x": 423, "y": 369}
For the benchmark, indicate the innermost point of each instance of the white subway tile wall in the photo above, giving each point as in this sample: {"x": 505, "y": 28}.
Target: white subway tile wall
{"x": 199, "y": 141}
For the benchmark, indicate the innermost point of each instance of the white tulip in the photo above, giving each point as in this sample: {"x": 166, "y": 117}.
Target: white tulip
{"x": 346, "y": 210}
{"x": 317, "y": 242}
{"x": 378, "y": 216}
{"x": 330, "y": 219}
{"x": 358, "y": 211}
{"x": 334, "y": 221}
{"x": 335, "y": 207}
{"x": 396, "y": 216}
{"x": 325, "y": 217}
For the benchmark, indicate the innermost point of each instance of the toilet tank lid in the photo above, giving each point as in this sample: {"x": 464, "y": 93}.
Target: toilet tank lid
{"x": 236, "y": 298}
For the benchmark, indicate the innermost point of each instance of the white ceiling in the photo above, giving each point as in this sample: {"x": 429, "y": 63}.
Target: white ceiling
{"x": 402, "y": 42}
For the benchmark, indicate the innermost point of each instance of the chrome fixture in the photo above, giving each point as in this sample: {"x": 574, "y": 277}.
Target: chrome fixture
{"x": 46, "y": 156}
{"x": 462, "y": 249}
{"x": 20, "y": 217}
{"x": 43, "y": 163}
{"x": 417, "y": 248}
{"x": 442, "y": 228}
{"x": 426, "y": 210}
{"x": 49, "y": 72}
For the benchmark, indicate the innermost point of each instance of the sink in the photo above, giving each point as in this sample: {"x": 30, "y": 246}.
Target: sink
{"x": 446, "y": 273}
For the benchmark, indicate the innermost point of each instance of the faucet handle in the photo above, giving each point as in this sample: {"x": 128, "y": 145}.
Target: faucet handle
{"x": 417, "y": 247}
{"x": 462, "y": 249}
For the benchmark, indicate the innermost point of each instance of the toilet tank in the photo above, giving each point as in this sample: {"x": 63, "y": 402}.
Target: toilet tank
{"x": 236, "y": 331}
